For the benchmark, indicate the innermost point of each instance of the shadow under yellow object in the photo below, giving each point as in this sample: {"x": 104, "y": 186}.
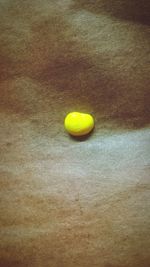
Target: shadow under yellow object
{"x": 79, "y": 124}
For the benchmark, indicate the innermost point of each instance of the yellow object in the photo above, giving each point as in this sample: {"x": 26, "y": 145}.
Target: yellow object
{"x": 79, "y": 124}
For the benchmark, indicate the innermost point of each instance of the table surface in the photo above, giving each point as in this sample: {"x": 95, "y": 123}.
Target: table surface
{"x": 69, "y": 202}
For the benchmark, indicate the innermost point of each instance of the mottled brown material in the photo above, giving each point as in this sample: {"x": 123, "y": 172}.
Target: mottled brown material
{"x": 68, "y": 202}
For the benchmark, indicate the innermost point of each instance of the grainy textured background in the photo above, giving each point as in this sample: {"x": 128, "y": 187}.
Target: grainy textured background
{"x": 66, "y": 202}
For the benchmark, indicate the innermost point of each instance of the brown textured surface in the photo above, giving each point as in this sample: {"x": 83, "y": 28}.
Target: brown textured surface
{"x": 65, "y": 202}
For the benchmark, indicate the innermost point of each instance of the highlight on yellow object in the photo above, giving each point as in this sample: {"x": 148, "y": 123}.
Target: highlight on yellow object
{"x": 79, "y": 124}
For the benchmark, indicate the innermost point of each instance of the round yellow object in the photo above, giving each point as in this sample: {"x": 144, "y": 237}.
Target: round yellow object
{"x": 79, "y": 124}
